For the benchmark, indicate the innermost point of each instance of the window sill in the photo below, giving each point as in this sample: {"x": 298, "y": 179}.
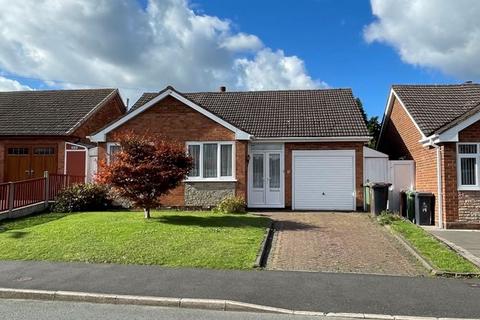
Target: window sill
{"x": 468, "y": 189}
{"x": 210, "y": 180}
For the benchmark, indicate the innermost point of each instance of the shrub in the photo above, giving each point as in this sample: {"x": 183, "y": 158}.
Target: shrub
{"x": 146, "y": 167}
{"x": 387, "y": 217}
{"x": 231, "y": 205}
{"x": 82, "y": 197}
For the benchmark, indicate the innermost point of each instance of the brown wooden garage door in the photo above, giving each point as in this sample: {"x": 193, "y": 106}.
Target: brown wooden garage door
{"x": 27, "y": 161}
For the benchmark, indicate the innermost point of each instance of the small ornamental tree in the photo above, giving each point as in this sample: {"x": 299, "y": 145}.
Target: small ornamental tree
{"x": 145, "y": 168}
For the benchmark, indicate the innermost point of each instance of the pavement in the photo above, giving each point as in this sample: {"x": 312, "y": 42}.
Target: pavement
{"x": 464, "y": 241}
{"x": 48, "y": 310}
{"x": 310, "y": 291}
{"x": 337, "y": 242}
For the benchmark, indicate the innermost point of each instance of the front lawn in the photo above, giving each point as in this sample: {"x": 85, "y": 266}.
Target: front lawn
{"x": 170, "y": 238}
{"x": 438, "y": 254}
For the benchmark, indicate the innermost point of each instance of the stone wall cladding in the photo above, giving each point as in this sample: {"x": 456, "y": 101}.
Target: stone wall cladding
{"x": 207, "y": 194}
{"x": 468, "y": 201}
{"x": 469, "y": 206}
{"x": 177, "y": 122}
{"x": 357, "y": 146}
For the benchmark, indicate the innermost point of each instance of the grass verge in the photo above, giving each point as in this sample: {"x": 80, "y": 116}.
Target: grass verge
{"x": 169, "y": 238}
{"x": 438, "y": 254}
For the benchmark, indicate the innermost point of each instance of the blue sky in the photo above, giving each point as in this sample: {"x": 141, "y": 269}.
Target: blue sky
{"x": 198, "y": 45}
{"x": 328, "y": 36}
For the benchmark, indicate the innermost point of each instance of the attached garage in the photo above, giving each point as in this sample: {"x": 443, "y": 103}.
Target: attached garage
{"x": 323, "y": 180}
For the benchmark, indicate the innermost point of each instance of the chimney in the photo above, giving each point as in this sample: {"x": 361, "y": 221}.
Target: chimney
{"x": 223, "y": 89}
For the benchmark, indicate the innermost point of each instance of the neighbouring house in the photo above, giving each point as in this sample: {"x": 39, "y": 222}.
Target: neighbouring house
{"x": 46, "y": 130}
{"x": 301, "y": 149}
{"x": 438, "y": 127}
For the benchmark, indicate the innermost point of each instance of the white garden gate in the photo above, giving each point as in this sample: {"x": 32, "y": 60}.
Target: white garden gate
{"x": 400, "y": 173}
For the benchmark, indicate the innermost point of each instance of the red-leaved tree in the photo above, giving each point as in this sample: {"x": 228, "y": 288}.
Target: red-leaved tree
{"x": 145, "y": 168}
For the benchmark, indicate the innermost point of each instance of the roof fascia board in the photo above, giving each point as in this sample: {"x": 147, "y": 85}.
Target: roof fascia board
{"x": 239, "y": 134}
{"x": 102, "y": 135}
{"x": 451, "y": 135}
{"x": 388, "y": 111}
{"x": 104, "y": 101}
{"x": 313, "y": 139}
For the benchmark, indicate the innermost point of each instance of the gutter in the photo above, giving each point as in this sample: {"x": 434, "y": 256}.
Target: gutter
{"x": 439, "y": 183}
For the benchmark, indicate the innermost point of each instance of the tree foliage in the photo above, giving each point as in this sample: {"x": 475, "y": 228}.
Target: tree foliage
{"x": 373, "y": 125}
{"x": 145, "y": 168}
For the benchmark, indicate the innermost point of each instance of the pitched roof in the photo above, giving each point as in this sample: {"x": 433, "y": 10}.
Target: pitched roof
{"x": 49, "y": 112}
{"x": 435, "y": 107}
{"x": 283, "y": 113}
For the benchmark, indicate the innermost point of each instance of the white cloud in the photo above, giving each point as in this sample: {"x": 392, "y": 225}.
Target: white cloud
{"x": 118, "y": 44}
{"x": 274, "y": 70}
{"x": 11, "y": 85}
{"x": 243, "y": 42}
{"x": 440, "y": 34}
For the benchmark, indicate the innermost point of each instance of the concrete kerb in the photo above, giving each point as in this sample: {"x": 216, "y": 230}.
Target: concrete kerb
{"x": 262, "y": 256}
{"x": 211, "y": 304}
{"x": 461, "y": 251}
{"x": 427, "y": 264}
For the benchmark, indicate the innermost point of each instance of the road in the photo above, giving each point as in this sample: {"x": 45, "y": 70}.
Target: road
{"x": 49, "y": 310}
{"x": 312, "y": 291}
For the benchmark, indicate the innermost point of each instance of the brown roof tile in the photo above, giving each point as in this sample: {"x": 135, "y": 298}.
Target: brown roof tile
{"x": 283, "y": 113}
{"x": 49, "y": 112}
{"x": 434, "y": 107}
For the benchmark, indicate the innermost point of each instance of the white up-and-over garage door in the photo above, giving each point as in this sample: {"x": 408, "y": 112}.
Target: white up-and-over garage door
{"x": 323, "y": 180}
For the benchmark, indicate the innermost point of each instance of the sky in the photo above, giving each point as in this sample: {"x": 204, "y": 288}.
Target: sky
{"x": 199, "y": 45}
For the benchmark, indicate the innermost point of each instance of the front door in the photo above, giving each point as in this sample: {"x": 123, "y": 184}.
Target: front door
{"x": 266, "y": 182}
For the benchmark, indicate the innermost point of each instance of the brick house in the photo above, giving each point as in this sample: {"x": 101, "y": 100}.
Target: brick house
{"x": 46, "y": 130}
{"x": 438, "y": 127}
{"x": 298, "y": 148}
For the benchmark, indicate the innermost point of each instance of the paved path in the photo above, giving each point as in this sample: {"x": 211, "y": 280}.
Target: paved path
{"x": 313, "y": 291}
{"x": 337, "y": 242}
{"x": 47, "y": 310}
{"x": 468, "y": 240}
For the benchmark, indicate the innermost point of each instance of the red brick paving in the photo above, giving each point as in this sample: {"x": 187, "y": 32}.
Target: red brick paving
{"x": 337, "y": 242}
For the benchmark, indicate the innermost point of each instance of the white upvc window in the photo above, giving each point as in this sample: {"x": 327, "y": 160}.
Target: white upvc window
{"x": 468, "y": 158}
{"x": 112, "y": 148}
{"x": 212, "y": 161}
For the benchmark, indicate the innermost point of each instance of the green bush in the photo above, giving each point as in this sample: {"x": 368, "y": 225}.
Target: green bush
{"x": 83, "y": 197}
{"x": 231, "y": 205}
{"x": 387, "y": 217}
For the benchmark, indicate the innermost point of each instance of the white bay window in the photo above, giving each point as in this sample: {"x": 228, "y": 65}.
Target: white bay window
{"x": 468, "y": 157}
{"x": 212, "y": 161}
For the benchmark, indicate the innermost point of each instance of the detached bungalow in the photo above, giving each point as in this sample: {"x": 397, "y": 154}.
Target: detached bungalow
{"x": 301, "y": 149}
{"x": 46, "y": 130}
{"x": 438, "y": 127}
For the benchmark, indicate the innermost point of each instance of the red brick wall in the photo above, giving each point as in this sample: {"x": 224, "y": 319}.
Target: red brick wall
{"x": 177, "y": 122}
{"x": 110, "y": 111}
{"x": 401, "y": 141}
{"x": 32, "y": 141}
{"x": 357, "y": 146}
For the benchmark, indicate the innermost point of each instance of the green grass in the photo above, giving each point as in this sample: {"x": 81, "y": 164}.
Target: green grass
{"x": 169, "y": 238}
{"x": 438, "y": 254}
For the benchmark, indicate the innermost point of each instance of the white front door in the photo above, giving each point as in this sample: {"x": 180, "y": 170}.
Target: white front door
{"x": 266, "y": 179}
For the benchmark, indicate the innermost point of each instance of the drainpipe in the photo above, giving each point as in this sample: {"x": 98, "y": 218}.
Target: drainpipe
{"x": 439, "y": 184}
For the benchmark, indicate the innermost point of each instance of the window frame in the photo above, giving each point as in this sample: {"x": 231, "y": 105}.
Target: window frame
{"x": 109, "y": 147}
{"x": 468, "y": 187}
{"x": 219, "y": 177}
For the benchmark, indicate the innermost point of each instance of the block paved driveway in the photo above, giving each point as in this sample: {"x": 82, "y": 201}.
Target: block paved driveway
{"x": 337, "y": 242}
